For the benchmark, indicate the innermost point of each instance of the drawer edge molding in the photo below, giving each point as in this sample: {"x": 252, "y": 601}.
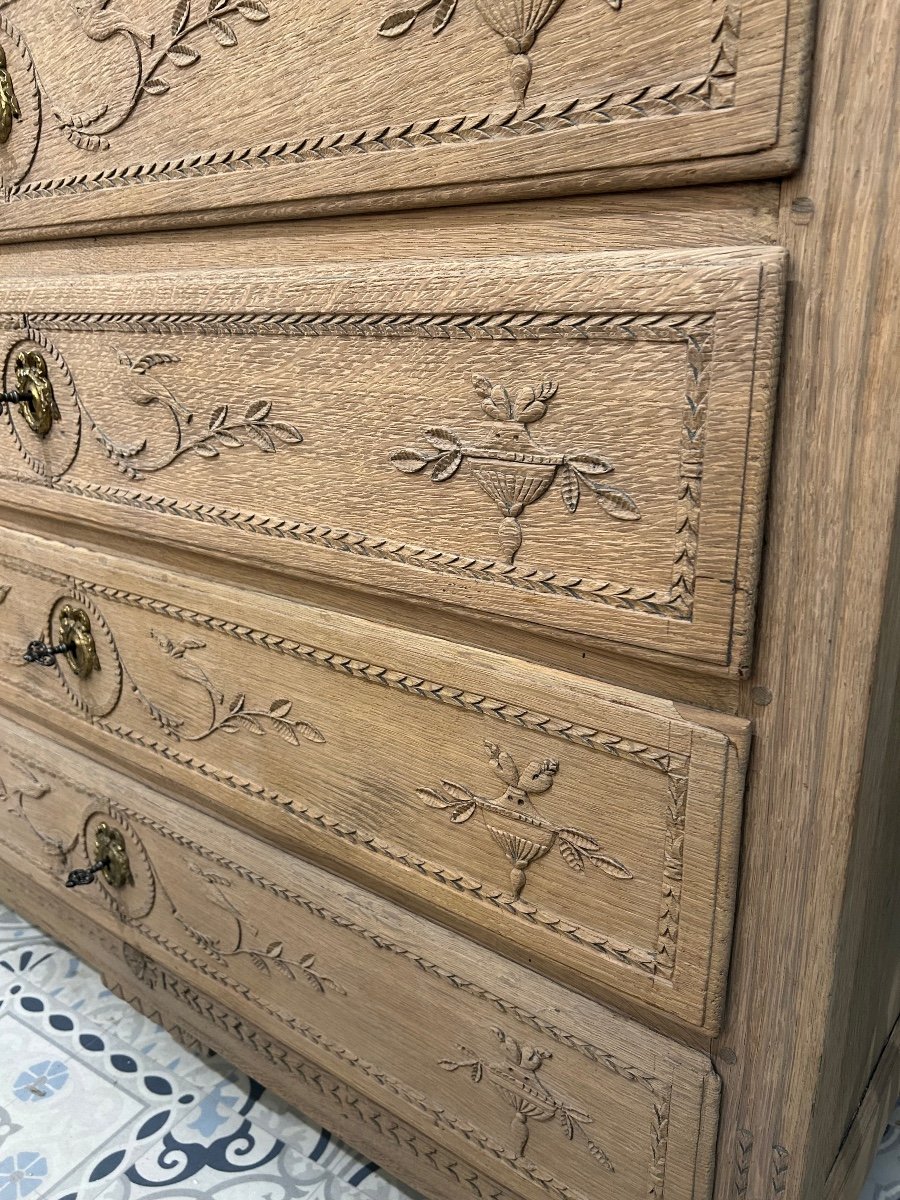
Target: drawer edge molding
{"x": 179, "y": 927}
{"x": 717, "y": 95}
{"x": 698, "y": 766}
{"x": 693, "y": 509}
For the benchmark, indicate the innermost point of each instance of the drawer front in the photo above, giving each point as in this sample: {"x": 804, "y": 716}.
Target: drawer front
{"x": 543, "y": 1091}
{"x": 162, "y": 111}
{"x": 586, "y": 828}
{"x": 577, "y": 442}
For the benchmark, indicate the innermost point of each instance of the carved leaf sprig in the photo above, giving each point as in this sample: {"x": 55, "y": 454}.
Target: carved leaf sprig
{"x": 253, "y": 428}
{"x": 276, "y": 717}
{"x": 272, "y": 958}
{"x": 575, "y": 847}
{"x": 461, "y": 802}
{"x": 402, "y": 21}
{"x": 185, "y": 24}
{"x": 570, "y": 1119}
{"x": 473, "y": 1065}
{"x": 445, "y": 462}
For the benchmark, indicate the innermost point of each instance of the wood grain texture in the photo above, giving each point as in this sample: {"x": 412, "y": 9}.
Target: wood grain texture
{"x": 593, "y": 429}
{"x": 814, "y": 979}
{"x": 848, "y": 1174}
{"x": 548, "y": 1094}
{"x": 589, "y": 829}
{"x": 152, "y": 115}
{"x": 684, "y": 218}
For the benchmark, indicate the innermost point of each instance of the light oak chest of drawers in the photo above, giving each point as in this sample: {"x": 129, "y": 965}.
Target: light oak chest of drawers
{"x": 402, "y": 635}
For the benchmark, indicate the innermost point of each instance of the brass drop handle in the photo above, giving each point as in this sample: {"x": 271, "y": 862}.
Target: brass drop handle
{"x": 33, "y": 392}
{"x": 76, "y": 644}
{"x": 112, "y": 860}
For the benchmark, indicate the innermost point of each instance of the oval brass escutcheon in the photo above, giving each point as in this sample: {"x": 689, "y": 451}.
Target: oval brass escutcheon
{"x": 9, "y": 104}
{"x": 34, "y": 392}
{"x": 111, "y": 858}
{"x": 109, "y": 846}
{"x": 75, "y": 634}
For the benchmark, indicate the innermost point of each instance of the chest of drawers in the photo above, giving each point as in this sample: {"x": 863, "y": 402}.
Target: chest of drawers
{"x": 455, "y": 639}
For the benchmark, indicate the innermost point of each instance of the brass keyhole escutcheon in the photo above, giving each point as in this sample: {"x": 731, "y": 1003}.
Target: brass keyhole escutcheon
{"x": 75, "y": 634}
{"x": 111, "y": 859}
{"x": 9, "y": 105}
{"x": 33, "y": 393}
{"x": 109, "y": 845}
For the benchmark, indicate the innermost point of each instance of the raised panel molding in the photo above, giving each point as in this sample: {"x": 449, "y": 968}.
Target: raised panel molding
{"x": 191, "y": 919}
{"x": 644, "y": 807}
{"x": 115, "y": 128}
{"x": 581, "y": 444}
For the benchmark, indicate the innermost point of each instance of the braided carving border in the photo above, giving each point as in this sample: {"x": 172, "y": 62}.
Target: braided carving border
{"x": 674, "y": 766}
{"x": 656, "y": 758}
{"x": 714, "y": 90}
{"x": 350, "y": 1103}
{"x": 540, "y": 1024}
{"x": 660, "y": 1089}
{"x": 694, "y": 330}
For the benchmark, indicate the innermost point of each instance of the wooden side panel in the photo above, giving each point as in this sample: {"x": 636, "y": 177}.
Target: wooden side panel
{"x": 819, "y": 867}
{"x": 577, "y": 442}
{"x": 152, "y": 112}
{"x": 547, "y": 1093}
{"x": 587, "y": 828}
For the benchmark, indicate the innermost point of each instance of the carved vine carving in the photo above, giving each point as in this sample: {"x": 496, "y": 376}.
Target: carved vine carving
{"x": 514, "y": 822}
{"x": 267, "y": 959}
{"x": 710, "y": 91}
{"x": 226, "y": 715}
{"x": 219, "y": 431}
{"x": 477, "y": 891}
{"x": 519, "y": 1083}
{"x": 695, "y": 331}
{"x": 151, "y": 54}
{"x": 511, "y": 468}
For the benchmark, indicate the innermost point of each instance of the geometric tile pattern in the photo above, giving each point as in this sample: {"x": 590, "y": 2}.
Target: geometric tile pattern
{"x": 99, "y": 1103}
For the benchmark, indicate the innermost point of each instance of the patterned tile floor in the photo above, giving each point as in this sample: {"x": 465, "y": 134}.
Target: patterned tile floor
{"x": 98, "y": 1103}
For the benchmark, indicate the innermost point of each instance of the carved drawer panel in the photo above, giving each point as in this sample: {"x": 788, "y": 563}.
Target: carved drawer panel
{"x": 154, "y": 111}
{"x": 541, "y": 1090}
{"x": 584, "y": 828}
{"x": 577, "y": 442}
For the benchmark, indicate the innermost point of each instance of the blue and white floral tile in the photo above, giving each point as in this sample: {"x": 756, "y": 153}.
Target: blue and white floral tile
{"x": 884, "y": 1178}
{"x": 229, "y": 1138}
{"x": 224, "y": 1151}
{"x": 54, "y": 969}
{"x": 78, "y": 1106}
